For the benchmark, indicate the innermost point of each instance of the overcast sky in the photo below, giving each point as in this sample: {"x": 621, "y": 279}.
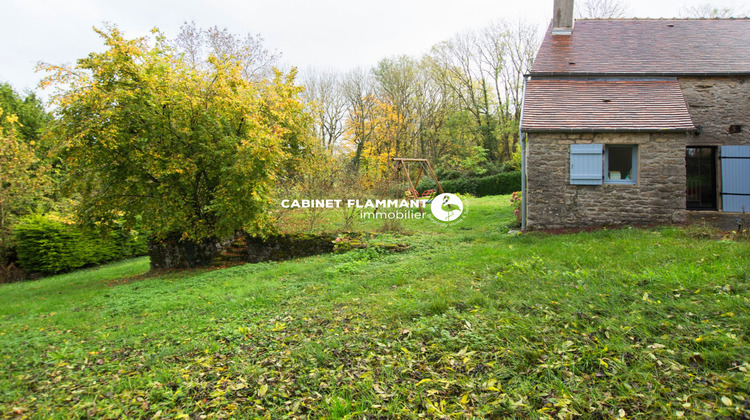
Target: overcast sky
{"x": 336, "y": 34}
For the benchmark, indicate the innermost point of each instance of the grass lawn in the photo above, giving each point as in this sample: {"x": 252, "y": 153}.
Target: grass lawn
{"x": 470, "y": 322}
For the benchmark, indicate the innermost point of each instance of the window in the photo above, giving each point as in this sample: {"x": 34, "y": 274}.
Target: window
{"x": 620, "y": 164}
{"x": 700, "y": 165}
{"x": 594, "y": 164}
{"x": 586, "y": 164}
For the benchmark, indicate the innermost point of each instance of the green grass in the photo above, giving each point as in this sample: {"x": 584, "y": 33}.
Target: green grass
{"x": 470, "y": 322}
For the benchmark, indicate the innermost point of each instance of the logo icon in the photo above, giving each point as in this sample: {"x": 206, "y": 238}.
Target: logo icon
{"x": 447, "y": 207}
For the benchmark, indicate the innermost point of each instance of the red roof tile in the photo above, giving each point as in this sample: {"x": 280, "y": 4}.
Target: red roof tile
{"x": 578, "y": 105}
{"x": 648, "y": 47}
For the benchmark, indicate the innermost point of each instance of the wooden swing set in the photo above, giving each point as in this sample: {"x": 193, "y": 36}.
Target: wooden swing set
{"x": 402, "y": 165}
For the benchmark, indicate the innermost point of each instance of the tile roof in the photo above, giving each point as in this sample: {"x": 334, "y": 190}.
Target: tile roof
{"x": 647, "y": 47}
{"x": 581, "y": 105}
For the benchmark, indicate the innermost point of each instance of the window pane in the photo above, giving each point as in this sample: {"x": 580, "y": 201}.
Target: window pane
{"x": 700, "y": 165}
{"x": 620, "y": 164}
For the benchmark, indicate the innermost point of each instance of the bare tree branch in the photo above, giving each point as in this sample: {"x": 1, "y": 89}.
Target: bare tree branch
{"x": 325, "y": 96}
{"x": 709, "y": 11}
{"x": 601, "y": 9}
{"x": 197, "y": 44}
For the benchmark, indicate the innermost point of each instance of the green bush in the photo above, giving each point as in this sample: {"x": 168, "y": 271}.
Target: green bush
{"x": 47, "y": 245}
{"x": 499, "y": 184}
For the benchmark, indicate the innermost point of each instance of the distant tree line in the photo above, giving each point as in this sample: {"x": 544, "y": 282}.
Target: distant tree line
{"x": 459, "y": 105}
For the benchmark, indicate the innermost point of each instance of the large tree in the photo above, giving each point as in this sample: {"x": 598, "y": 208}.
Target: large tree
{"x": 23, "y": 179}
{"x": 397, "y": 86}
{"x": 24, "y": 157}
{"x": 29, "y": 112}
{"x": 192, "y": 151}
{"x": 326, "y": 101}
{"x": 359, "y": 91}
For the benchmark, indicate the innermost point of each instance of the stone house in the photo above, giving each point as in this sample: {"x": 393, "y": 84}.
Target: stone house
{"x": 636, "y": 121}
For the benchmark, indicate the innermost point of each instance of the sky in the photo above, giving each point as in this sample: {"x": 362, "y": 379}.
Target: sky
{"x": 309, "y": 34}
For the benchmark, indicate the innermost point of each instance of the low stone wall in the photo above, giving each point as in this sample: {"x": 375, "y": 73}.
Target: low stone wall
{"x": 657, "y": 198}
{"x": 286, "y": 247}
{"x": 174, "y": 253}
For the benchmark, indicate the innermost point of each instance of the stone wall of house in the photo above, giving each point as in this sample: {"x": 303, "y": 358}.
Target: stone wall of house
{"x": 658, "y": 197}
{"x": 715, "y": 103}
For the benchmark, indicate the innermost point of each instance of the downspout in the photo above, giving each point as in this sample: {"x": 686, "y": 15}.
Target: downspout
{"x": 523, "y": 181}
{"x": 522, "y": 137}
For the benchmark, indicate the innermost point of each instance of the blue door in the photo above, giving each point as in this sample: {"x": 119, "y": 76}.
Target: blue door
{"x": 735, "y": 178}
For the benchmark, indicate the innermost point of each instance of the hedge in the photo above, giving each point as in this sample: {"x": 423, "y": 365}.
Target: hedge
{"x": 499, "y": 184}
{"x": 49, "y": 246}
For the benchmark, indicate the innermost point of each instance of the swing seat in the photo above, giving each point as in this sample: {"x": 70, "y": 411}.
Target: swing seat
{"x": 402, "y": 169}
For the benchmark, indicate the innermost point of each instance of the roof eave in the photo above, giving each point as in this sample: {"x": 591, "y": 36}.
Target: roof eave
{"x": 607, "y": 130}
{"x": 632, "y": 74}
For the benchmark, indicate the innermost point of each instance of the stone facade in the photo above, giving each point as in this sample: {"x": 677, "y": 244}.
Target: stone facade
{"x": 657, "y": 197}
{"x": 715, "y": 103}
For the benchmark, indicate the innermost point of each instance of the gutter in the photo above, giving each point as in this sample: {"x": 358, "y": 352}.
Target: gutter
{"x": 609, "y": 130}
{"x": 578, "y": 74}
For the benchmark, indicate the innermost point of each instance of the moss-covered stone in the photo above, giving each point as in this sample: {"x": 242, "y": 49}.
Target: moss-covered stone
{"x": 285, "y": 247}
{"x": 177, "y": 253}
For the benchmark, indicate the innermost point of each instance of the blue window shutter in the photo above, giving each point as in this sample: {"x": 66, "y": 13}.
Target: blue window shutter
{"x": 735, "y": 178}
{"x": 586, "y": 164}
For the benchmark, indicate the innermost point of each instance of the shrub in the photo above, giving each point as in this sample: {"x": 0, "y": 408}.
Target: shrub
{"x": 48, "y": 245}
{"x": 516, "y": 200}
{"x": 503, "y": 183}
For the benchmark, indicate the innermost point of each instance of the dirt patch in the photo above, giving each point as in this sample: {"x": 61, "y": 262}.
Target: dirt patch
{"x": 719, "y": 220}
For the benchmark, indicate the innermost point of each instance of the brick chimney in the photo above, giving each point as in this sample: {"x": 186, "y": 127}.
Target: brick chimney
{"x": 562, "y": 17}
